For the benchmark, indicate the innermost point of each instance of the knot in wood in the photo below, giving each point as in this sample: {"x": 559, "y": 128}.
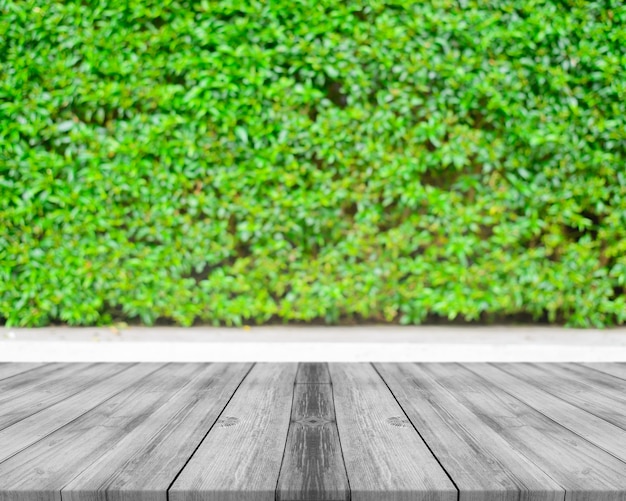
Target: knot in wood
{"x": 398, "y": 421}
{"x": 227, "y": 421}
{"x": 313, "y": 421}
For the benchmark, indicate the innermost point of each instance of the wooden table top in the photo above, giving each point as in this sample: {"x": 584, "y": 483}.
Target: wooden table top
{"x": 196, "y": 432}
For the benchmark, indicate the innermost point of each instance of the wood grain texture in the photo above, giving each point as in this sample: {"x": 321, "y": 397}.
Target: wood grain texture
{"x": 542, "y": 398}
{"x": 617, "y": 370}
{"x": 315, "y": 373}
{"x": 48, "y": 388}
{"x": 600, "y": 394}
{"x": 498, "y": 432}
{"x": 19, "y": 383}
{"x": 241, "y": 456}
{"x": 585, "y": 471}
{"x": 11, "y": 369}
{"x": 605, "y": 384}
{"x": 481, "y": 463}
{"x": 312, "y": 465}
{"x": 385, "y": 458}
{"x": 142, "y": 465}
{"x": 41, "y": 424}
{"x": 43, "y": 469}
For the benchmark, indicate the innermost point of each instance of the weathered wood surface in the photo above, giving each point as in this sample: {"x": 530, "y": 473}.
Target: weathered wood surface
{"x": 44, "y": 468}
{"x": 20, "y": 393}
{"x": 207, "y": 432}
{"x": 385, "y": 458}
{"x": 482, "y": 463}
{"x": 29, "y": 430}
{"x": 313, "y": 373}
{"x": 240, "y": 458}
{"x": 600, "y": 394}
{"x": 9, "y": 370}
{"x": 603, "y": 384}
{"x": 617, "y": 370}
{"x": 33, "y": 377}
{"x": 585, "y": 471}
{"x": 146, "y": 461}
{"x": 32, "y": 391}
{"x": 538, "y": 394}
{"x": 313, "y": 466}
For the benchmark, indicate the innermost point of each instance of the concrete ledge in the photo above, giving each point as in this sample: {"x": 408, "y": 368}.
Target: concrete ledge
{"x": 313, "y": 344}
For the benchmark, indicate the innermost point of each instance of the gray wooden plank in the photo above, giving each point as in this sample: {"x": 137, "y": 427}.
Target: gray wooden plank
{"x": 43, "y": 469}
{"x": 316, "y": 373}
{"x": 312, "y": 465}
{"x": 11, "y": 369}
{"x": 606, "y": 384}
{"x": 385, "y": 458}
{"x": 146, "y": 461}
{"x": 511, "y": 378}
{"x": 585, "y": 471}
{"x": 480, "y": 462}
{"x": 37, "y": 426}
{"x": 25, "y": 400}
{"x": 241, "y": 456}
{"x": 614, "y": 369}
{"x": 24, "y": 381}
{"x": 598, "y": 393}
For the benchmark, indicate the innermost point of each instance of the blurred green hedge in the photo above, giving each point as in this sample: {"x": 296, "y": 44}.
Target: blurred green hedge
{"x": 242, "y": 162}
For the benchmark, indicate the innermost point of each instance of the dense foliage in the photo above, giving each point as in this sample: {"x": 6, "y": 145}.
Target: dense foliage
{"x": 249, "y": 161}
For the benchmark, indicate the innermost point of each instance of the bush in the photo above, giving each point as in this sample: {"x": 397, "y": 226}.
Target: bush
{"x": 245, "y": 162}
